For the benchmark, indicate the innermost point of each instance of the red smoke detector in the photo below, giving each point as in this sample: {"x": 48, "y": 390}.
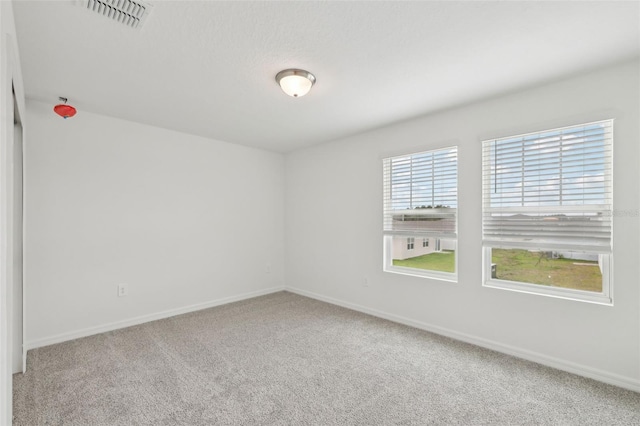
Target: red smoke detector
{"x": 63, "y": 110}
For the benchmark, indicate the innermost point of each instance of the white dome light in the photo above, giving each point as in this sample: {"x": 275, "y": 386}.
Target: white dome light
{"x": 295, "y": 82}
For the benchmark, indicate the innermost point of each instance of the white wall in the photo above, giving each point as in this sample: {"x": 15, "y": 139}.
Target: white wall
{"x": 326, "y": 180}
{"x": 183, "y": 220}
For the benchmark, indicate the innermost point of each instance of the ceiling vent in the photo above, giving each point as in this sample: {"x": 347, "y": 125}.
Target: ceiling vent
{"x": 128, "y": 12}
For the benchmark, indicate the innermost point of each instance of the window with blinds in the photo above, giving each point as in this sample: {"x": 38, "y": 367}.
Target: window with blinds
{"x": 420, "y": 201}
{"x": 549, "y": 194}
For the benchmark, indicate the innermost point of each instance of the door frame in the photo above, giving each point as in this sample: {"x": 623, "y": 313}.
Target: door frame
{"x": 18, "y": 143}
{"x": 10, "y": 81}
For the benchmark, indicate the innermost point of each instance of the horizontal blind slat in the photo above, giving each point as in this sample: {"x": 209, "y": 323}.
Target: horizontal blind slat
{"x": 413, "y": 186}
{"x": 551, "y": 187}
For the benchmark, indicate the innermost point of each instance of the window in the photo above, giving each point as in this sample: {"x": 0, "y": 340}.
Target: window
{"x": 410, "y": 243}
{"x": 420, "y": 202}
{"x": 547, "y": 212}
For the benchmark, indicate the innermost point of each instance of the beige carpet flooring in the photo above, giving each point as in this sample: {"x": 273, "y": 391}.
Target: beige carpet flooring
{"x": 283, "y": 359}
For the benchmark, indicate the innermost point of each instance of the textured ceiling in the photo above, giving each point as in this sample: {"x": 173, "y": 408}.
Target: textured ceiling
{"x": 208, "y": 68}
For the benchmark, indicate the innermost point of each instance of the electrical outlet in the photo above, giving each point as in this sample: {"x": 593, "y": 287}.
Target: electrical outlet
{"x": 123, "y": 290}
{"x": 365, "y": 283}
{"x": 267, "y": 268}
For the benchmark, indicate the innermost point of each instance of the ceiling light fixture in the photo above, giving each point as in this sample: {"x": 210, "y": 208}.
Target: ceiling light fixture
{"x": 295, "y": 82}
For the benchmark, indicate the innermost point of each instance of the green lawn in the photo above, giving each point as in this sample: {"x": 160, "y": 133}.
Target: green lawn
{"x": 530, "y": 267}
{"x": 522, "y": 266}
{"x": 443, "y": 261}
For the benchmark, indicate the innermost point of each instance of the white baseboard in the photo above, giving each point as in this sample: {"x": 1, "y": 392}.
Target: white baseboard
{"x": 63, "y": 337}
{"x": 560, "y": 364}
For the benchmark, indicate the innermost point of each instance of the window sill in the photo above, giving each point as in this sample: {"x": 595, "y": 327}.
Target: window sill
{"x": 434, "y": 275}
{"x": 557, "y": 292}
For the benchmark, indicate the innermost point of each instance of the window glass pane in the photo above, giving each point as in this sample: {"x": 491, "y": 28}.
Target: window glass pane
{"x": 561, "y": 167}
{"x": 424, "y": 180}
{"x": 438, "y": 255}
{"x": 566, "y": 269}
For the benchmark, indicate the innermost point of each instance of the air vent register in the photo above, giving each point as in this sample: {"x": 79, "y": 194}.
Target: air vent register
{"x": 127, "y": 12}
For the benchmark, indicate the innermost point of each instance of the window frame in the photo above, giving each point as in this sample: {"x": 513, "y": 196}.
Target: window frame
{"x": 411, "y": 242}
{"x": 387, "y": 260}
{"x": 605, "y": 297}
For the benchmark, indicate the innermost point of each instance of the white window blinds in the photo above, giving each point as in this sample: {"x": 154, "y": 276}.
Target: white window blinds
{"x": 421, "y": 194}
{"x": 550, "y": 190}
